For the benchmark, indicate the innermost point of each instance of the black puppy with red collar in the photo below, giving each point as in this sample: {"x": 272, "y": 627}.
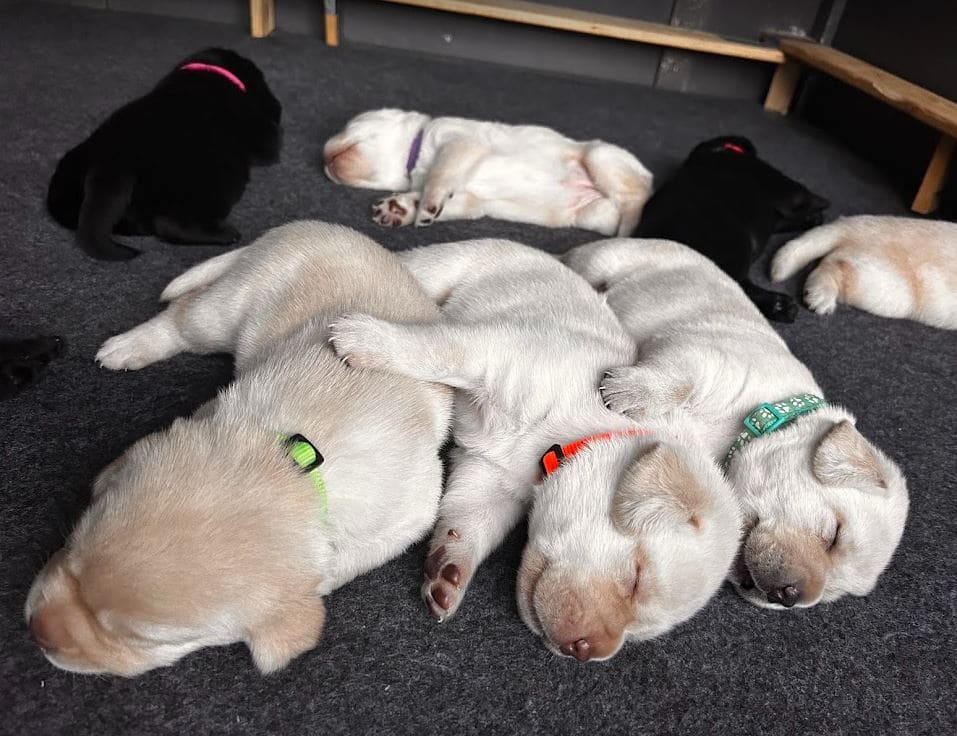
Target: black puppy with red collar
{"x": 726, "y": 203}
{"x": 173, "y": 162}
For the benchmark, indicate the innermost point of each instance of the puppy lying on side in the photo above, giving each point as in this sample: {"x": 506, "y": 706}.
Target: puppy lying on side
{"x": 632, "y": 529}
{"x": 726, "y": 203}
{"x": 891, "y": 266}
{"x": 172, "y": 163}
{"x": 231, "y": 525}
{"x": 824, "y": 509}
{"x": 455, "y": 169}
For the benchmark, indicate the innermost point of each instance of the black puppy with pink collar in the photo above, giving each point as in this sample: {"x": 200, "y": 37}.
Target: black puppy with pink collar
{"x": 726, "y": 203}
{"x": 172, "y": 163}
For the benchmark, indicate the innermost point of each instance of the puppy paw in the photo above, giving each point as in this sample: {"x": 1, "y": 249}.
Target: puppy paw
{"x": 429, "y": 211}
{"x": 361, "y": 341}
{"x": 623, "y": 391}
{"x": 130, "y": 351}
{"x": 448, "y": 570}
{"x": 395, "y": 211}
{"x": 820, "y": 298}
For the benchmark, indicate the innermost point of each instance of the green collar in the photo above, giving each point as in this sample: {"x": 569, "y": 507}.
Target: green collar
{"x": 307, "y": 457}
{"x": 769, "y": 417}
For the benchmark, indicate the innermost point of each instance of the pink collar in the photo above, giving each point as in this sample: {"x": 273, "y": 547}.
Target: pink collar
{"x": 198, "y": 66}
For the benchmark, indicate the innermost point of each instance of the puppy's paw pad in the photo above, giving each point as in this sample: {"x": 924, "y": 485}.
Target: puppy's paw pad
{"x": 395, "y": 211}
{"x": 428, "y": 213}
{"x": 446, "y": 578}
{"x": 128, "y": 351}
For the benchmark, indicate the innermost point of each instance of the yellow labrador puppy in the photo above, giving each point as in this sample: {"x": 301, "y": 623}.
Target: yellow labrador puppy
{"x": 632, "y": 528}
{"x": 455, "y": 169}
{"x": 891, "y": 266}
{"x": 824, "y": 509}
{"x": 304, "y": 473}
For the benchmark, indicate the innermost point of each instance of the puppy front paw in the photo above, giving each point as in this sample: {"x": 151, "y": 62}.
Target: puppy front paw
{"x": 395, "y": 211}
{"x": 361, "y": 341}
{"x": 622, "y": 390}
{"x": 782, "y": 309}
{"x": 448, "y": 570}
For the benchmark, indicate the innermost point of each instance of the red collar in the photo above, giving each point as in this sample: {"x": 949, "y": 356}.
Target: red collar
{"x": 552, "y": 459}
{"x": 198, "y": 66}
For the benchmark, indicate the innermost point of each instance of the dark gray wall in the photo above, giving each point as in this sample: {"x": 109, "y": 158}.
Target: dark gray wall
{"x": 916, "y": 40}
{"x": 448, "y": 34}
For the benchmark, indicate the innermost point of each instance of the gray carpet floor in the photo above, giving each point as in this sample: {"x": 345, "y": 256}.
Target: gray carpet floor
{"x": 876, "y": 665}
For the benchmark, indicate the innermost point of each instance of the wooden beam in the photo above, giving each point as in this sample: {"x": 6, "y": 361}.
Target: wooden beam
{"x": 783, "y": 84}
{"x": 926, "y": 200}
{"x": 262, "y": 17}
{"x": 598, "y": 24}
{"x": 919, "y": 103}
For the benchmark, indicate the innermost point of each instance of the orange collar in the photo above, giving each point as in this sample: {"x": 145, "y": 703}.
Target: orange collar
{"x": 552, "y": 459}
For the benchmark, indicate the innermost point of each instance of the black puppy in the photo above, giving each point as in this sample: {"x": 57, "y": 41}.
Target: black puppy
{"x": 22, "y": 362}
{"x": 726, "y": 203}
{"x": 172, "y": 163}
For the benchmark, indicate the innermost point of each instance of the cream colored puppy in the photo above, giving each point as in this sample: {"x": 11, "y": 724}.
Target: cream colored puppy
{"x": 454, "y": 169}
{"x": 824, "y": 509}
{"x": 891, "y": 266}
{"x": 304, "y": 473}
{"x": 631, "y": 531}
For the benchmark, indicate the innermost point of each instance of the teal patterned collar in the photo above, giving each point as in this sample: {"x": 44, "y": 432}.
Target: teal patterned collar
{"x": 769, "y": 417}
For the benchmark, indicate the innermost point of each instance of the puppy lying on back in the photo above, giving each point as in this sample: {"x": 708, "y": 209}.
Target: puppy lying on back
{"x": 458, "y": 169}
{"x": 824, "y": 509}
{"x": 304, "y": 473}
{"x": 173, "y": 162}
{"x": 891, "y": 266}
{"x": 726, "y": 203}
{"x": 632, "y": 529}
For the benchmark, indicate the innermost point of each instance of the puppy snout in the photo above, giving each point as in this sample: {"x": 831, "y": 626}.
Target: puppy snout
{"x": 786, "y": 595}
{"x": 48, "y": 632}
{"x": 579, "y": 649}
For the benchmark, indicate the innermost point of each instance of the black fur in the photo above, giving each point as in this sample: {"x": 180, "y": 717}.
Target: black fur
{"x": 22, "y": 362}
{"x": 726, "y": 203}
{"x": 172, "y": 163}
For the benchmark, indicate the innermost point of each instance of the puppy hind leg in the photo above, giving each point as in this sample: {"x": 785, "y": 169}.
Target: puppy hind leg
{"x": 601, "y": 215}
{"x": 292, "y": 629}
{"x": 448, "y": 176}
{"x": 475, "y": 514}
{"x": 107, "y": 194}
{"x": 150, "y": 342}
{"x": 621, "y": 177}
{"x": 826, "y": 285}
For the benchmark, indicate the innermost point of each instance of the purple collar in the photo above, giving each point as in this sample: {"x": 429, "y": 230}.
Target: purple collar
{"x": 414, "y": 150}
{"x": 198, "y": 66}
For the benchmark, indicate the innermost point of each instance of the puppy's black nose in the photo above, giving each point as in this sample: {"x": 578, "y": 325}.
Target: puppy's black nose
{"x": 786, "y": 595}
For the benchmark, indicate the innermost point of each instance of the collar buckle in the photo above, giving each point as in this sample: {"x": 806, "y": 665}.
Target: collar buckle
{"x": 766, "y": 418}
{"x": 303, "y": 452}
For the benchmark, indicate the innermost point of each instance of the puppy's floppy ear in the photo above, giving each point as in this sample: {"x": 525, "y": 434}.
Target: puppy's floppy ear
{"x": 660, "y": 487}
{"x": 845, "y": 458}
{"x": 291, "y": 629}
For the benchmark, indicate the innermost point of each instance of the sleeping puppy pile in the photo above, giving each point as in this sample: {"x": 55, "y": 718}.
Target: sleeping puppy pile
{"x": 656, "y": 453}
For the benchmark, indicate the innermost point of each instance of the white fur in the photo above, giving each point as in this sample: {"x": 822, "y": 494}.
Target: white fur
{"x": 707, "y": 353}
{"x": 235, "y": 545}
{"x": 468, "y": 169}
{"x": 525, "y": 341}
{"x": 892, "y": 266}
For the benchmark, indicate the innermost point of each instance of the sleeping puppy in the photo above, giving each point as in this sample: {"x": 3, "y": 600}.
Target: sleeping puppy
{"x": 172, "y": 163}
{"x": 455, "y": 169}
{"x": 632, "y": 529}
{"x": 304, "y": 473}
{"x": 726, "y": 203}
{"x": 891, "y": 266}
{"x": 824, "y": 509}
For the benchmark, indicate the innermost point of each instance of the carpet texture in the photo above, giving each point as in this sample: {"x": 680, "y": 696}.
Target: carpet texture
{"x": 876, "y": 665}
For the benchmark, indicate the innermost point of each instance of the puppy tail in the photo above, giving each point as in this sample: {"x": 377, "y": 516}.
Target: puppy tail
{"x": 107, "y": 194}
{"x": 201, "y": 275}
{"x": 796, "y": 254}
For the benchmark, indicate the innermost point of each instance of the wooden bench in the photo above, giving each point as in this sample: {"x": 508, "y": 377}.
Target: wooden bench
{"x": 262, "y": 15}
{"x": 921, "y": 104}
